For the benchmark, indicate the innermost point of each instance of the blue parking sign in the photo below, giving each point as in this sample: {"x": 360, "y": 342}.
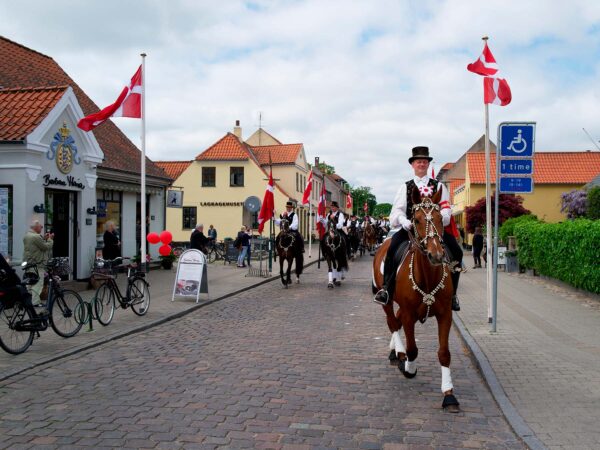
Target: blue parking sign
{"x": 516, "y": 166}
{"x": 516, "y": 185}
{"x": 517, "y": 140}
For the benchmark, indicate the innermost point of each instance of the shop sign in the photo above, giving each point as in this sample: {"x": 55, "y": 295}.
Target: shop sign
{"x": 221, "y": 203}
{"x": 71, "y": 181}
{"x": 64, "y": 150}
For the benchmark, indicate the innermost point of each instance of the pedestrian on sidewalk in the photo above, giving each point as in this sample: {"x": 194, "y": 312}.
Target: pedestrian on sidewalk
{"x": 477, "y": 247}
{"x": 37, "y": 250}
{"x": 197, "y": 239}
{"x": 212, "y": 233}
{"x": 112, "y": 243}
{"x": 244, "y": 240}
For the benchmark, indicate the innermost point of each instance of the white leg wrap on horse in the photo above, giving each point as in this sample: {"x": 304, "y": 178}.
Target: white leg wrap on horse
{"x": 446, "y": 379}
{"x": 382, "y": 267}
{"x": 392, "y": 345}
{"x": 398, "y": 344}
{"x": 410, "y": 366}
{"x": 336, "y": 274}
{"x": 330, "y": 277}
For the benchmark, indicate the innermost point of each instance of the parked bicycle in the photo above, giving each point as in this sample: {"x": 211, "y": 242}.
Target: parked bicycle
{"x": 215, "y": 251}
{"x": 19, "y": 320}
{"x": 108, "y": 295}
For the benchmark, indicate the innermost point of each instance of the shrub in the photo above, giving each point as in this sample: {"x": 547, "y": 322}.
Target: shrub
{"x": 508, "y": 206}
{"x": 593, "y": 205}
{"x": 574, "y": 203}
{"x": 508, "y": 228}
{"x": 568, "y": 251}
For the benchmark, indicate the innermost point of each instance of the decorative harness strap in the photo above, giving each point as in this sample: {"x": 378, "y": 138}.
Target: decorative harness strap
{"x": 431, "y": 232}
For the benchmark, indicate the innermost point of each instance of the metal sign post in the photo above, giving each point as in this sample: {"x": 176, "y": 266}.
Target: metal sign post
{"x": 514, "y": 175}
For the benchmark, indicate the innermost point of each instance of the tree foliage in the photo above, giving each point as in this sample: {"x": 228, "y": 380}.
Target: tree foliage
{"x": 382, "y": 209}
{"x": 574, "y": 203}
{"x": 593, "y": 206}
{"x": 326, "y": 168}
{"x": 360, "y": 195}
{"x": 509, "y": 206}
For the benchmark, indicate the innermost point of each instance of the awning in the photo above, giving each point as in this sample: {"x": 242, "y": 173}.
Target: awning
{"x": 126, "y": 187}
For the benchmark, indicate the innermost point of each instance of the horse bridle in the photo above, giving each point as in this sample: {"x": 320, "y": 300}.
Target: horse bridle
{"x": 330, "y": 239}
{"x": 285, "y": 234}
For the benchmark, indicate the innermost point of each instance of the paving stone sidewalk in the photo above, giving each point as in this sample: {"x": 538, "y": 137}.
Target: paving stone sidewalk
{"x": 546, "y": 353}
{"x": 270, "y": 368}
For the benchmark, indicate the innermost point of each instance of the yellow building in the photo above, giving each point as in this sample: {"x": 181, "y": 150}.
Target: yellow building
{"x": 554, "y": 174}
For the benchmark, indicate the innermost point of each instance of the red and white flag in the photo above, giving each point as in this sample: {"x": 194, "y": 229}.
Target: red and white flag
{"x": 268, "y": 205}
{"x": 432, "y": 172}
{"x": 349, "y": 201}
{"x": 365, "y": 207}
{"x": 321, "y": 212}
{"x": 308, "y": 189}
{"x": 129, "y": 104}
{"x": 495, "y": 89}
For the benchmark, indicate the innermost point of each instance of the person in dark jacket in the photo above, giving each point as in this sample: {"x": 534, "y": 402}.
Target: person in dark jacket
{"x": 197, "y": 240}
{"x": 244, "y": 239}
{"x": 112, "y": 243}
{"x": 477, "y": 247}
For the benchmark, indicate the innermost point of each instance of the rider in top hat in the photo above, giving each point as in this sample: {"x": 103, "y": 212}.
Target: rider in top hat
{"x": 401, "y": 216}
{"x": 337, "y": 217}
{"x": 292, "y": 218}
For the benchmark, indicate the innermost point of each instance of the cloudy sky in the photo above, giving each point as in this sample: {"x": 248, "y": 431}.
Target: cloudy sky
{"x": 358, "y": 82}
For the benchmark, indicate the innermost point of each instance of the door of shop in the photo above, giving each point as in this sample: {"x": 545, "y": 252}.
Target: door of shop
{"x": 61, "y": 213}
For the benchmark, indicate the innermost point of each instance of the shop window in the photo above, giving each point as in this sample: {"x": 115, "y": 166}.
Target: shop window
{"x": 6, "y": 220}
{"x": 236, "y": 176}
{"x": 189, "y": 217}
{"x": 297, "y": 190}
{"x": 208, "y": 177}
{"x": 108, "y": 207}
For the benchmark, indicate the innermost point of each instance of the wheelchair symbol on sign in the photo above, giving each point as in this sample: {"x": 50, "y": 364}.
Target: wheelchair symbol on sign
{"x": 516, "y": 141}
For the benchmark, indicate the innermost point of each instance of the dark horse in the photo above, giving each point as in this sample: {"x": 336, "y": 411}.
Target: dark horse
{"x": 369, "y": 236}
{"x": 288, "y": 249}
{"x": 354, "y": 239}
{"x": 423, "y": 289}
{"x": 333, "y": 248}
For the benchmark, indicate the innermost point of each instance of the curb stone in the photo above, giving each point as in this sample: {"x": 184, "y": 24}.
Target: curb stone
{"x": 509, "y": 411}
{"x": 11, "y": 373}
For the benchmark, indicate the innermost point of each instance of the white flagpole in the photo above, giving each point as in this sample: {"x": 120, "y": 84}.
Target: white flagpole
{"x": 488, "y": 211}
{"x": 143, "y": 167}
{"x": 310, "y": 218}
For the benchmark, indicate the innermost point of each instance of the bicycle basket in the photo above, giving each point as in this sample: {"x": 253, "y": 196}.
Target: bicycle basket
{"x": 59, "y": 266}
{"x": 105, "y": 267}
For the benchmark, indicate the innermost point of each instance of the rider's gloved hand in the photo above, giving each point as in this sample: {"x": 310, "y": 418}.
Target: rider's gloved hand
{"x": 446, "y": 217}
{"x": 406, "y": 224}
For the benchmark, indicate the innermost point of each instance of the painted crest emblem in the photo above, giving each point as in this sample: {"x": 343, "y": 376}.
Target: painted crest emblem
{"x": 64, "y": 149}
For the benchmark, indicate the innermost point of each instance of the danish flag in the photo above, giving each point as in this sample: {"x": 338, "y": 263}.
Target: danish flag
{"x": 349, "y": 201}
{"x": 495, "y": 89}
{"x": 129, "y": 104}
{"x": 268, "y": 205}
{"x": 321, "y": 212}
{"x": 308, "y": 189}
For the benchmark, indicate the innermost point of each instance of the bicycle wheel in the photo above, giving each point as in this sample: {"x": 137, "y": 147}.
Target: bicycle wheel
{"x": 104, "y": 304}
{"x": 63, "y": 317}
{"x": 212, "y": 255}
{"x": 139, "y": 296}
{"x": 11, "y": 340}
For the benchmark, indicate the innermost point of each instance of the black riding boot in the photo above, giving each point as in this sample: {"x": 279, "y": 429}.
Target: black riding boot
{"x": 387, "y": 290}
{"x": 455, "y": 303}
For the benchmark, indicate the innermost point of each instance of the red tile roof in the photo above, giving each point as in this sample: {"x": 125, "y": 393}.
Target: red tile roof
{"x": 454, "y": 183}
{"x": 447, "y": 166}
{"x": 173, "y": 168}
{"x": 23, "y": 67}
{"x": 548, "y": 167}
{"x": 228, "y": 148}
{"x": 22, "y": 110}
{"x": 280, "y": 154}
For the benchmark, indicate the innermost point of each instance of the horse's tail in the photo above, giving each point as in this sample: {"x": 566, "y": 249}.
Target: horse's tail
{"x": 342, "y": 261}
{"x": 299, "y": 263}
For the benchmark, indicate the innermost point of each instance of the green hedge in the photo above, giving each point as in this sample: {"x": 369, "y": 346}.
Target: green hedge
{"x": 568, "y": 251}
{"x": 593, "y": 203}
{"x": 508, "y": 227}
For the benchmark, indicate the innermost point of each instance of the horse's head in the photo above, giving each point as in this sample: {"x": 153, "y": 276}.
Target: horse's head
{"x": 285, "y": 225}
{"x": 331, "y": 228}
{"x": 427, "y": 225}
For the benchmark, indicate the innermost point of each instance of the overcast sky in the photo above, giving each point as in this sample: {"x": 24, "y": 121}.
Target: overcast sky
{"x": 358, "y": 82}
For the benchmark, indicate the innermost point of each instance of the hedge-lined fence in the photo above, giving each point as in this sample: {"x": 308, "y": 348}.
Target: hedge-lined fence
{"x": 568, "y": 251}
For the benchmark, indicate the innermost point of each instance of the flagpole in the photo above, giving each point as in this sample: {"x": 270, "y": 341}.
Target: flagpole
{"x": 488, "y": 209}
{"x": 143, "y": 169}
{"x": 310, "y": 218}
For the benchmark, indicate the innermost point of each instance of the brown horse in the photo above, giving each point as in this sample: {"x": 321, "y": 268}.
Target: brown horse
{"x": 369, "y": 236}
{"x": 423, "y": 289}
{"x": 289, "y": 249}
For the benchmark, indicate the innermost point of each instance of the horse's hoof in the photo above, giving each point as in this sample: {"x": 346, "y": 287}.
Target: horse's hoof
{"x": 450, "y": 404}
{"x": 330, "y": 285}
{"x": 401, "y": 365}
{"x": 285, "y": 286}
{"x": 337, "y": 283}
{"x": 298, "y": 281}
{"x": 393, "y": 357}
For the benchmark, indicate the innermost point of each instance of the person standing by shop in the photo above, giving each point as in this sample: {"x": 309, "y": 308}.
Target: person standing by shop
{"x": 37, "y": 250}
{"x": 244, "y": 241}
{"x": 112, "y": 243}
{"x": 212, "y": 233}
{"x": 477, "y": 248}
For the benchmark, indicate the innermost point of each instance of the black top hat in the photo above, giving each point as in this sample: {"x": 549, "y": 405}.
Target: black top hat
{"x": 420, "y": 153}
{"x": 289, "y": 205}
{"x": 335, "y": 204}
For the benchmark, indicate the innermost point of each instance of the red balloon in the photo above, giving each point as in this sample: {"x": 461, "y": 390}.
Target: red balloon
{"x": 166, "y": 237}
{"x": 164, "y": 250}
{"x": 153, "y": 238}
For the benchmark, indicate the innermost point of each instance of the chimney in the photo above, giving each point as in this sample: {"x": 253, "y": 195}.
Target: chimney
{"x": 237, "y": 130}
{"x": 316, "y": 161}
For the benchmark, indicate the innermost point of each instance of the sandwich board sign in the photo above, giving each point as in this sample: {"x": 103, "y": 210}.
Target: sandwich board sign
{"x": 191, "y": 279}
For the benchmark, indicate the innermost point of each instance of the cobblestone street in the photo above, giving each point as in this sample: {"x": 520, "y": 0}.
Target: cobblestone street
{"x": 270, "y": 368}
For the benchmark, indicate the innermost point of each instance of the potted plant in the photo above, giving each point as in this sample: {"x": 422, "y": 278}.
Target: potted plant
{"x": 167, "y": 261}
